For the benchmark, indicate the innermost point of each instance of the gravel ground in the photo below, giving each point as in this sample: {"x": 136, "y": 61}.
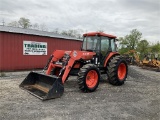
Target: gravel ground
{"x": 137, "y": 99}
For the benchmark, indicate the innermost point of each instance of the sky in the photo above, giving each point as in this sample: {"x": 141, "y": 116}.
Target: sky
{"x": 116, "y": 17}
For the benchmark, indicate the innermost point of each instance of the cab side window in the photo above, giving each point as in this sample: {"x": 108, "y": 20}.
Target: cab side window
{"x": 113, "y": 45}
{"x": 104, "y": 45}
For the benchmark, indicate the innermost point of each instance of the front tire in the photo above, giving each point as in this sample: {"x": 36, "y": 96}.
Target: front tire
{"x": 88, "y": 78}
{"x": 117, "y": 70}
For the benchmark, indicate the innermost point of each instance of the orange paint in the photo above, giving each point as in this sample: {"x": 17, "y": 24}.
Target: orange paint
{"x": 99, "y": 34}
{"x": 122, "y": 71}
{"x": 91, "y": 79}
{"x": 109, "y": 56}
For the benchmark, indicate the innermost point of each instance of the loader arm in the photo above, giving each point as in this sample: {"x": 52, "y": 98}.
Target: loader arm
{"x": 74, "y": 56}
{"x": 57, "y": 55}
{"x": 67, "y": 65}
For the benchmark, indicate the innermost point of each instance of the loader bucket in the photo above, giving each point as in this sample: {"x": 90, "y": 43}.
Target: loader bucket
{"x": 43, "y": 86}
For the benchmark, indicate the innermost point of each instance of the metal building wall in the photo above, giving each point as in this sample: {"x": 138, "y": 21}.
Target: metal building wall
{"x": 11, "y": 50}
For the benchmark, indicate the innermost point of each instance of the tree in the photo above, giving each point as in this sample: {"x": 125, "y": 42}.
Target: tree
{"x": 155, "y": 48}
{"x": 64, "y": 32}
{"x": 123, "y": 45}
{"x": 73, "y": 33}
{"x": 24, "y": 22}
{"x": 35, "y": 26}
{"x": 143, "y": 46}
{"x": 134, "y": 38}
{"x": 13, "y": 24}
{"x": 130, "y": 41}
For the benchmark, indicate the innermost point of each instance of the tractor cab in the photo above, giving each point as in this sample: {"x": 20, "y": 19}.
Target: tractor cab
{"x": 100, "y": 43}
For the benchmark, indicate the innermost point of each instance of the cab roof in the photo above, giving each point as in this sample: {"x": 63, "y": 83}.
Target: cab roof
{"x": 99, "y": 34}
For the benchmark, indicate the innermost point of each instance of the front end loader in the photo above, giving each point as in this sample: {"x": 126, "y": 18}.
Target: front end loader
{"x": 98, "y": 56}
{"x": 151, "y": 61}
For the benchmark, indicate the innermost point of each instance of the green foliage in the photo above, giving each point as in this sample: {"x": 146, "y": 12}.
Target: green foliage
{"x": 123, "y": 50}
{"x": 143, "y": 46}
{"x": 155, "y": 48}
{"x": 24, "y": 22}
{"x": 14, "y": 24}
{"x": 130, "y": 42}
{"x": 134, "y": 38}
{"x": 133, "y": 42}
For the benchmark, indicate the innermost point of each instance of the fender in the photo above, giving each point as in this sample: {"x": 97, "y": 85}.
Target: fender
{"x": 111, "y": 54}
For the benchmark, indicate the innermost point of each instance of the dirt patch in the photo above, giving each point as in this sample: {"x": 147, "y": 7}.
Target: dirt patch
{"x": 137, "y": 99}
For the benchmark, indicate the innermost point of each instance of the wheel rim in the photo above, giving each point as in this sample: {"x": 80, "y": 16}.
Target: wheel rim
{"x": 92, "y": 78}
{"x": 122, "y": 71}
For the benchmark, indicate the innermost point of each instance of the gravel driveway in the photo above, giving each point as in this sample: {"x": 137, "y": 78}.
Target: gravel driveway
{"x": 137, "y": 99}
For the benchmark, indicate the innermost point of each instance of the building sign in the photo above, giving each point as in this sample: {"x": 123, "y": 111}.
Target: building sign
{"x": 34, "y": 48}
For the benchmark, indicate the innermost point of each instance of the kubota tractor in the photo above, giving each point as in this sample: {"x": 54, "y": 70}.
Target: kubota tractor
{"x": 97, "y": 56}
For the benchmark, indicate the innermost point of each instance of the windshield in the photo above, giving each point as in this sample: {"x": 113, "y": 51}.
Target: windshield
{"x": 90, "y": 43}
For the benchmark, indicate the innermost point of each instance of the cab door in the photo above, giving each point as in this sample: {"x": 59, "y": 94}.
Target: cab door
{"x": 107, "y": 45}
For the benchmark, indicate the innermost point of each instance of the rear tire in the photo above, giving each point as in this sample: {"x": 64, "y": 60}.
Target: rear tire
{"x": 117, "y": 70}
{"x": 88, "y": 78}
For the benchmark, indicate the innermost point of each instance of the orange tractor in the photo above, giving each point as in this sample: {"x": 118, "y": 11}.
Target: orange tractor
{"x": 97, "y": 56}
